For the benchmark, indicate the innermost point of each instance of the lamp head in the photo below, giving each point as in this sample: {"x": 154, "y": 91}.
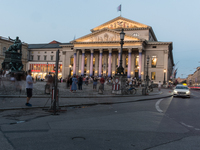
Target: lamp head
{"x": 122, "y": 35}
{"x": 148, "y": 59}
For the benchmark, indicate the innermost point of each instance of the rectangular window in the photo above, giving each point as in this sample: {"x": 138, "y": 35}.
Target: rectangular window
{"x": 31, "y": 57}
{"x": 51, "y": 57}
{"x": 45, "y": 57}
{"x": 93, "y": 62}
{"x": 71, "y": 61}
{"x": 137, "y": 61}
{"x": 85, "y": 61}
{"x": 153, "y": 61}
{"x": 38, "y": 57}
{"x": 153, "y": 75}
{"x": 127, "y": 61}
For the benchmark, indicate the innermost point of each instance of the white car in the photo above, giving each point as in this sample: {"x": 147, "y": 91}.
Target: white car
{"x": 181, "y": 90}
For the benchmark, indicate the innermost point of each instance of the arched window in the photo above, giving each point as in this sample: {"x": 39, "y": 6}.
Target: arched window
{"x": 153, "y": 61}
{"x": 4, "y": 51}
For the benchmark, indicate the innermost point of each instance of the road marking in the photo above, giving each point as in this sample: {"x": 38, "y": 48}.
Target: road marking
{"x": 157, "y": 106}
{"x": 189, "y": 126}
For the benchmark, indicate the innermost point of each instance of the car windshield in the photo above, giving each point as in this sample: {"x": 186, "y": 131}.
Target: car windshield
{"x": 181, "y": 87}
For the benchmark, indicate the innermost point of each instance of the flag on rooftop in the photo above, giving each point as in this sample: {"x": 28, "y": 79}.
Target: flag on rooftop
{"x": 119, "y": 7}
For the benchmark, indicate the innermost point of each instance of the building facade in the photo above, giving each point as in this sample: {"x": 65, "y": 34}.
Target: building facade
{"x": 5, "y": 43}
{"x": 98, "y": 53}
{"x": 194, "y": 79}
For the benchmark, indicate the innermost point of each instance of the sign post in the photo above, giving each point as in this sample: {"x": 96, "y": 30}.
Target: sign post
{"x": 56, "y": 82}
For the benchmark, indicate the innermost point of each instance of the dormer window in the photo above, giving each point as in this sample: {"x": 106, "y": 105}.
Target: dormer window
{"x": 135, "y": 34}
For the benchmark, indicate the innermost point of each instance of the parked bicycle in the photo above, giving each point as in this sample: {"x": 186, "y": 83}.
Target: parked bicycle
{"x": 129, "y": 90}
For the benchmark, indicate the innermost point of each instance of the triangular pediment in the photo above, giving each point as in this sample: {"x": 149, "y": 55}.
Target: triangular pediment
{"x": 105, "y": 35}
{"x": 120, "y": 22}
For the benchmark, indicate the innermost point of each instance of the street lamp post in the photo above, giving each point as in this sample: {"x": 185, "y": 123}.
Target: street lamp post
{"x": 47, "y": 67}
{"x": 147, "y": 76}
{"x": 120, "y": 69}
{"x": 164, "y": 82}
{"x": 70, "y": 70}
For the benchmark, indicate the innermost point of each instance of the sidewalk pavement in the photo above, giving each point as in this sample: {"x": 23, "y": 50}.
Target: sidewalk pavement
{"x": 87, "y": 96}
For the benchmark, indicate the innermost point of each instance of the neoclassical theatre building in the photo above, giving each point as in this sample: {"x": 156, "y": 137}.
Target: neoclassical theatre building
{"x": 98, "y": 53}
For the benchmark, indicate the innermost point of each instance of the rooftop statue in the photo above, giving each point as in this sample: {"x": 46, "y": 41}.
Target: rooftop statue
{"x": 16, "y": 46}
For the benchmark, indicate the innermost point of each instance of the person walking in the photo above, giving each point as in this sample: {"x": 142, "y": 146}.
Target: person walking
{"x": 74, "y": 82}
{"x": 102, "y": 81}
{"x": 95, "y": 84}
{"x": 80, "y": 82}
{"x": 159, "y": 85}
{"x": 70, "y": 83}
{"x": 29, "y": 87}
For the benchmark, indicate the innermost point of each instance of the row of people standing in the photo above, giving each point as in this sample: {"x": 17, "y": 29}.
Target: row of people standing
{"x": 72, "y": 82}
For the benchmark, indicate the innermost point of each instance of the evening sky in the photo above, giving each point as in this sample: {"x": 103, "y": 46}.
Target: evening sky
{"x": 42, "y": 21}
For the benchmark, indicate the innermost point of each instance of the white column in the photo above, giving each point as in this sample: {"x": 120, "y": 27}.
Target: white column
{"x": 129, "y": 63}
{"x": 100, "y": 61}
{"x": 83, "y": 62}
{"x": 74, "y": 65}
{"x": 109, "y": 62}
{"x": 140, "y": 62}
{"x": 91, "y": 62}
{"x": 119, "y": 53}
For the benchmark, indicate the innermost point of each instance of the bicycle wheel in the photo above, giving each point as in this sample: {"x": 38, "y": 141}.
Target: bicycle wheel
{"x": 151, "y": 89}
{"x": 133, "y": 91}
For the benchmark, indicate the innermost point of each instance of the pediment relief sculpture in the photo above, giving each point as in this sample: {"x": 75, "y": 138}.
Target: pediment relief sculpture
{"x": 106, "y": 36}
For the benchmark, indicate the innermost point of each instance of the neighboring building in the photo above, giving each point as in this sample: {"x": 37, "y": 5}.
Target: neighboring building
{"x": 180, "y": 79}
{"x": 98, "y": 53}
{"x": 5, "y": 43}
{"x": 194, "y": 79}
{"x": 43, "y": 55}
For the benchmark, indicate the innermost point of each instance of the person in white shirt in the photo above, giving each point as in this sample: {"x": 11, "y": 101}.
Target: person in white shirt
{"x": 29, "y": 88}
{"x": 159, "y": 85}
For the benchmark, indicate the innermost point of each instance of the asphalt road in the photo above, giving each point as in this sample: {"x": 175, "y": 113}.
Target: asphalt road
{"x": 167, "y": 124}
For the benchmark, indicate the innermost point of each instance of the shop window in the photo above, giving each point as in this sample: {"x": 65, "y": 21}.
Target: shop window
{"x": 153, "y": 61}
{"x": 137, "y": 61}
{"x": 153, "y": 75}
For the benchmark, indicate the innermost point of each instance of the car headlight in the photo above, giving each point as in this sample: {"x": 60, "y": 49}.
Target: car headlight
{"x": 175, "y": 92}
{"x": 188, "y": 92}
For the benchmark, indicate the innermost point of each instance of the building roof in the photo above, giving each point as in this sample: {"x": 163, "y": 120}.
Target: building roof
{"x": 47, "y": 45}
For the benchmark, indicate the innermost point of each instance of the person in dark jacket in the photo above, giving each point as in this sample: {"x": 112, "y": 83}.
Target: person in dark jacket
{"x": 80, "y": 82}
{"x": 70, "y": 83}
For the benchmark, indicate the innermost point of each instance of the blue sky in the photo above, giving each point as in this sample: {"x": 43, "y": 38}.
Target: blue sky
{"x": 42, "y": 21}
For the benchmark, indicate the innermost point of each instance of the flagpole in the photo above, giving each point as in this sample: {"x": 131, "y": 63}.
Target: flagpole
{"x": 120, "y": 10}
